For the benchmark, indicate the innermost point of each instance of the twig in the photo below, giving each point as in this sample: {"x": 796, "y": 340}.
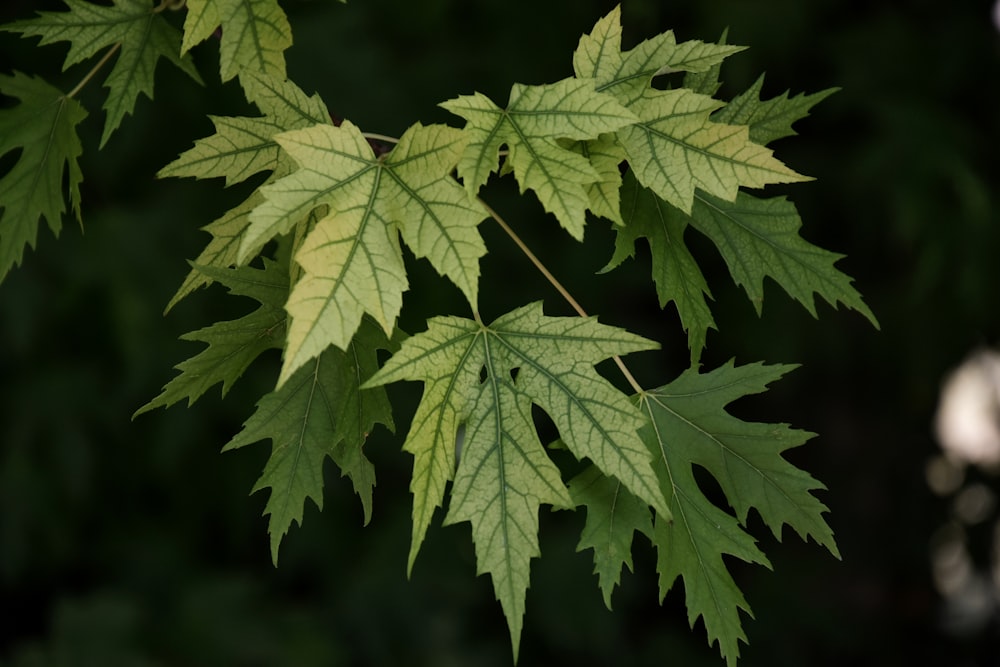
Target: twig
{"x": 555, "y": 283}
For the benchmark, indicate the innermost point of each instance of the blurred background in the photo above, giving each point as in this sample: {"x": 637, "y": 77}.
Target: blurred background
{"x": 135, "y": 542}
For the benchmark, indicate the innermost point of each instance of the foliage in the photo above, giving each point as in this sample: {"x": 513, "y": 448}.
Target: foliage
{"x": 318, "y": 244}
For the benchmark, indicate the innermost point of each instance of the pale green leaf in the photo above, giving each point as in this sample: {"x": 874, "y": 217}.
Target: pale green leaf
{"x": 627, "y": 75}
{"x": 603, "y": 195}
{"x": 232, "y": 344}
{"x": 436, "y": 218}
{"x": 556, "y": 357}
{"x": 503, "y": 476}
{"x": 203, "y": 18}
{"x": 613, "y": 517}
{"x": 676, "y": 149}
{"x": 352, "y": 264}
{"x": 675, "y": 272}
{"x": 143, "y": 35}
{"x": 535, "y": 118}
{"x": 446, "y": 358}
{"x": 503, "y": 473}
{"x": 351, "y": 259}
{"x": 760, "y": 237}
{"x": 255, "y": 34}
{"x": 771, "y": 119}
{"x": 43, "y": 128}
{"x": 320, "y": 411}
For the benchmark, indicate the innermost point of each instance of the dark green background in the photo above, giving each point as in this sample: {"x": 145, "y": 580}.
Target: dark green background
{"x": 134, "y": 543}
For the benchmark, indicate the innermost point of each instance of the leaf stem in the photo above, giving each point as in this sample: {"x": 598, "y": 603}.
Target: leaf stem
{"x": 380, "y": 137}
{"x": 555, "y": 283}
{"x": 94, "y": 70}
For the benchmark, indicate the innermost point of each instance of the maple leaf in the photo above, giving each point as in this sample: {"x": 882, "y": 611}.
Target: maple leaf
{"x": 706, "y": 81}
{"x": 504, "y": 473}
{"x": 675, "y": 271}
{"x": 232, "y": 344}
{"x": 535, "y": 119}
{"x": 43, "y": 128}
{"x": 674, "y": 147}
{"x": 613, "y": 517}
{"x": 771, "y": 119}
{"x": 759, "y": 237}
{"x": 222, "y": 250}
{"x": 688, "y": 426}
{"x": 255, "y": 34}
{"x": 320, "y": 411}
{"x": 240, "y": 148}
{"x": 627, "y": 74}
{"x": 351, "y": 258}
{"x": 603, "y": 195}
{"x": 143, "y": 34}
{"x": 244, "y": 146}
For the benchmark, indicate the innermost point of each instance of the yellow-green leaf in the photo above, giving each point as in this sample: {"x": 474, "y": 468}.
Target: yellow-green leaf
{"x": 627, "y": 74}
{"x": 676, "y": 149}
{"x": 603, "y": 195}
{"x": 503, "y": 473}
{"x": 255, "y": 34}
{"x": 351, "y": 258}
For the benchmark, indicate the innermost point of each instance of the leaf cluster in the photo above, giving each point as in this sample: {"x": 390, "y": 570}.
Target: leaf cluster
{"x": 633, "y": 136}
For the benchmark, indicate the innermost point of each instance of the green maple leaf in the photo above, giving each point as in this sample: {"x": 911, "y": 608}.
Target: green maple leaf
{"x": 675, "y": 271}
{"x": 144, "y": 35}
{"x": 707, "y": 81}
{"x": 351, "y": 258}
{"x": 535, "y": 119}
{"x": 771, "y": 119}
{"x": 223, "y": 249}
{"x": 244, "y": 146}
{"x": 613, "y": 517}
{"x": 760, "y": 237}
{"x": 675, "y": 147}
{"x": 320, "y": 411}
{"x": 232, "y": 344}
{"x": 43, "y": 128}
{"x": 240, "y": 148}
{"x": 503, "y": 473}
{"x": 689, "y": 426}
{"x": 255, "y": 34}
